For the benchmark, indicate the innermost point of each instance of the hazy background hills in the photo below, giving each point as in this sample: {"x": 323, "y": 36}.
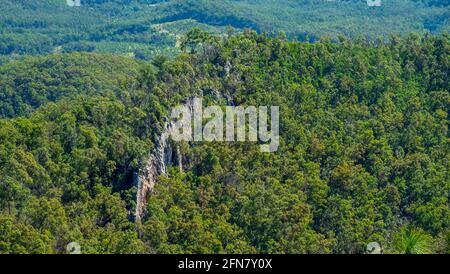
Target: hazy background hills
{"x": 143, "y": 28}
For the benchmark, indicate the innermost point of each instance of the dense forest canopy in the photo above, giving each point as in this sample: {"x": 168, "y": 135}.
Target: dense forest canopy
{"x": 33, "y": 82}
{"x": 364, "y": 150}
{"x": 145, "y": 28}
{"x": 364, "y": 153}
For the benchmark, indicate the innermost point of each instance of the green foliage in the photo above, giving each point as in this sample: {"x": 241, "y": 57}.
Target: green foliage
{"x": 412, "y": 241}
{"x": 145, "y": 28}
{"x": 364, "y": 149}
{"x": 34, "y": 81}
{"x": 22, "y": 239}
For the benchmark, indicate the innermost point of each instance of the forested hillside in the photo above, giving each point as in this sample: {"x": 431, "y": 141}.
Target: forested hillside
{"x": 364, "y": 150}
{"x": 33, "y": 82}
{"x": 145, "y": 28}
